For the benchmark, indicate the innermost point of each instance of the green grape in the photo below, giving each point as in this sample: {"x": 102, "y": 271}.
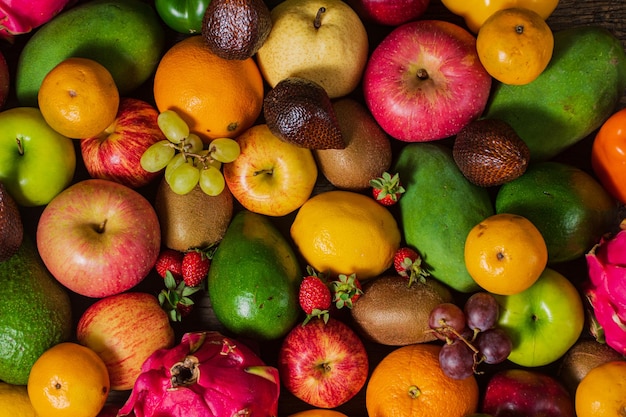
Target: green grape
{"x": 184, "y": 178}
{"x": 193, "y": 143}
{"x": 173, "y": 126}
{"x": 212, "y": 181}
{"x": 224, "y": 149}
{"x": 157, "y": 156}
{"x": 176, "y": 161}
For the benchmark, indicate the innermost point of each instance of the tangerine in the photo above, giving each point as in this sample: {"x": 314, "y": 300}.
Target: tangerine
{"x": 216, "y": 97}
{"x": 505, "y": 253}
{"x": 602, "y": 392}
{"x": 79, "y": 98}
{"x": 409, "y": 382}
{"x": 70, "y": 380}
{"x": 345, "y": 232}
{"x": 515, "y": 45}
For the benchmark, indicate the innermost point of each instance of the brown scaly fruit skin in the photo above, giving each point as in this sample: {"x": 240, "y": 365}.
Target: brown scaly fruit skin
{"x": 299, "y": 111}
{"x": 489, "y": 152}
{"x": 11, "y": 227}
{"x": 236, "y": 29}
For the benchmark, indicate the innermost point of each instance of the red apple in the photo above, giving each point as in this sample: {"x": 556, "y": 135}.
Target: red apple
{"x": 526, "y": 393}
{"x": 124, "y": 330}
{"x": 115, "y": 154}
{"x": 99, "y": 237}
{"x": 323, "y": 364}
{"x": 424, "y": 81}
{"x": 4, "y": 80}
{"x": 390, "y": 12}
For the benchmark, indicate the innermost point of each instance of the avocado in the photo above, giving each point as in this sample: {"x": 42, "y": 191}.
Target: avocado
{"x": 125, "y": 36}
{"x": 579, "y": 89}
{"x": 254, "y": 279}
{"x": 35, "y": 313}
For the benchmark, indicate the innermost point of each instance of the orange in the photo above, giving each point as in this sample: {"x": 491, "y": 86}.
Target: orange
{"x": 409, "y": 382}
{"x": 68, "y": 380}
{"x": 318, "y": 413}
{"x": 78, "y": 98}
{"x": 602, "y": 392}
{"x": 344, "y": 232}
{"x": 515, "y": 45}
{"x": 216, "y": 97}
{"x": 505, "y": 253}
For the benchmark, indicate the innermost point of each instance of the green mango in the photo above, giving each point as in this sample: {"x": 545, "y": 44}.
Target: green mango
{"x": 126, "y": 36}
{"x": 35, "y": 313}
{"x": 438, "y": 209}
{"x": 575, "y": 94}
{"x": 254, "y": 279}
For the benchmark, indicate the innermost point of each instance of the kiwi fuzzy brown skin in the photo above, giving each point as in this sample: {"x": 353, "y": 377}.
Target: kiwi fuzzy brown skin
{"x": 585, "y": 355}
{"x": 391, "y": 313}
{"x": 11, "y": 226}
{"x": 193, "y": 220}
{"x": 368, "y": 151}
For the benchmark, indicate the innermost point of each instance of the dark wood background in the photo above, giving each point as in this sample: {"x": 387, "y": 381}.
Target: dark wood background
{"x": 608, "y": 13}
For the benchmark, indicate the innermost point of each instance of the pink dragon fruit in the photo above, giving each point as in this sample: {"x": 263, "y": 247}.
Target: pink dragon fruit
{"x": 606, "y": 290}
{"x": 22, "y": 16}
{"x": 206, "y": 375}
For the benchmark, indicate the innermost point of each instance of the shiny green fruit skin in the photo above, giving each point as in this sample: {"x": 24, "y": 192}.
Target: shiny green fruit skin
{"x": 579, "y": 89}
{"x": 254, "y": 279}
{"x": 126, "y": 36}
{"x": 568, "y": 206}
{"x": 438, "y": 209}
{"x": 35, "y": 313}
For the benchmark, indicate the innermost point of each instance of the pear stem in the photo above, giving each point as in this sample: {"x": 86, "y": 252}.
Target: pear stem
{"x": 317, "y": 23}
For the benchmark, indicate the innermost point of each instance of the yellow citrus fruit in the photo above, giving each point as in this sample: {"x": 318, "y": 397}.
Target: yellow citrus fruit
{"x": 505, "y": 253}
{"x": 409, "y": 382}
{"x": 78, "y": 98}
{"x": 602, "y": 392}
{"x": 14, "y": 401}
{"x": 68, "y": 380}
{"x": 216, "y": 97}
{"x": 344, "y": 232}
{"x": 515, "y": 45}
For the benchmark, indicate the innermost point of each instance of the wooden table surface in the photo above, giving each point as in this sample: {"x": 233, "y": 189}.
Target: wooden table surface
{"x": 607, "y": 13}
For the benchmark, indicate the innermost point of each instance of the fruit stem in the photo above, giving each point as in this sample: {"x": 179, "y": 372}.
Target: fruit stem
{"x": 414, "y": 391}
{"x": 263, "y": 171}
{"x": 101, "y": 226}
{"x": 20, "y": 146}
{"x": 422, "y": 74}
{"x": 317, "y": 23}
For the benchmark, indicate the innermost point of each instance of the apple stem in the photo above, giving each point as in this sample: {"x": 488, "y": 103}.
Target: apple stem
{"x": 422, "y": 74}
{"x": 414, "y": 391}
{"x": 263, "y": 171}
{"x": 317, "y": 23}
{"x": 101, "y": 226}
{"x": 20, "y": 146}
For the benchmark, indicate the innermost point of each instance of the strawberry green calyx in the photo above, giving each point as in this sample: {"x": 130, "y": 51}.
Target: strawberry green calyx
{"x": 346, "y": 290}
{"x": 387, "y": 189}
{"x": 175, "y": 298}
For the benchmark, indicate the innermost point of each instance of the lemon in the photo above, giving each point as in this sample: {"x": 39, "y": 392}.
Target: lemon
{"x": 344, "y": 232}
{"x": 14, "y": 401}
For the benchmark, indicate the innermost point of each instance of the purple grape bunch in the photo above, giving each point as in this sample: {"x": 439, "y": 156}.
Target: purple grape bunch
{"x": 470, "y": 334}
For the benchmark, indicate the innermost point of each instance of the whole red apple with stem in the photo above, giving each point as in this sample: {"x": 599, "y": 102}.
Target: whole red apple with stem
{"x": 424, "y": 81}
{"x": 115, "y": 154}
{"x": 323, "y": 364}
{"x": 98, "y": 237}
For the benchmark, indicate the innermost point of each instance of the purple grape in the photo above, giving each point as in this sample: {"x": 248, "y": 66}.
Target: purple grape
{"x": 481, "y": 310}
{"x": 494, "y": 345}
{"x": 444, "y": 317}
{"x": 456, "y": 360}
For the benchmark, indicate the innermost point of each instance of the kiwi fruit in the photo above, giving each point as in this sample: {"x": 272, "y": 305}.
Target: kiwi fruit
{"x": 236, "y": 29}
{"x": 391, "y": 312}
{"x": 11, "y": 227}
{"x": 193, "y": 220}
{"x": 489, "y": 152}
{"x": 581, "y": 358}
{"x": 367, "y": 153}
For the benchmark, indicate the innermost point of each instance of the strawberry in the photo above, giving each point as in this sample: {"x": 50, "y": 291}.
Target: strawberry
{"x": 314, "y": 296}
{"x": 170, "y": 260}
{"x": 195, "y": 267}
{"x": 387, "y": 189}
{"x": 408, "y": 264}
{"x": 346, "y": 290}
{"x": 175, "y": 298}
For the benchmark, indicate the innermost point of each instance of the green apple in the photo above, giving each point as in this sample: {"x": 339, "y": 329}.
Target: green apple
{"x": 36, "y": 162}
{"x": 324, "y": 41}
{"x": 543, "y": 321}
